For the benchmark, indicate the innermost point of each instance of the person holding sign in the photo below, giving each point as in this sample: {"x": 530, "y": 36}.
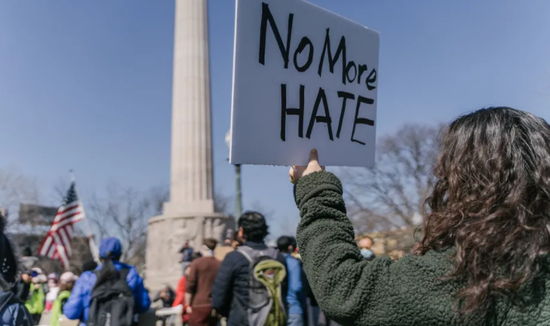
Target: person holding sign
{"x": 484, "y": 257}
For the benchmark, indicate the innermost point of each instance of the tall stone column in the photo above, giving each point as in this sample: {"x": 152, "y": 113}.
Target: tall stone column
{"x": 189, "y": 216}
{"x": 191, "y": 171}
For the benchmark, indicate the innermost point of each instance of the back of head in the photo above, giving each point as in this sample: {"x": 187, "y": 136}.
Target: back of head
{"x": 210, "y": 243}
{"x": 254, "y": 226}
{"x": 286, "y": 244}
{"x": 26, "y": 252}
{"x": 110, "y": 248}
{"x": 491, "y": 201}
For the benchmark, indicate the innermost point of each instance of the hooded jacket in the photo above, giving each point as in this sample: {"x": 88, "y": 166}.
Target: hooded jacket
{"x": 13, "y": 312}
{"x": 78, "y": 305}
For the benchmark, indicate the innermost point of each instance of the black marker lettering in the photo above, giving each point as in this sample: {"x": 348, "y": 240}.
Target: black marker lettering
{"x": 292, "y": 111}
{"x": 305, "y": 42}
{"x": 362, "y": 69}
{"x": 345, "y": 96}
{"x": 350, "y": 65}
{"x": 358, "y": 120}
{"x": 268, "y": 17}
{"x": 332, "y": 60}
{"x": 371, "y": 79}
{"x": 314, "y": 118}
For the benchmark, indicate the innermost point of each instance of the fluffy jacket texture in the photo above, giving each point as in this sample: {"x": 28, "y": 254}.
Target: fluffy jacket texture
{"x": 352, "y": 291}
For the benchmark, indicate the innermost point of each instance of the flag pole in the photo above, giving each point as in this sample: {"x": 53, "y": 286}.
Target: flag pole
{"x": 90, "y": 235}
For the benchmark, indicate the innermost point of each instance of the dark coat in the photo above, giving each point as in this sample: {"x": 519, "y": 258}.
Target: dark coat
{"x": 21, "y": 290}
{"x": 230, "y": 291}
{"x": 13, "y": 312}
{"x": 382, "y": 292}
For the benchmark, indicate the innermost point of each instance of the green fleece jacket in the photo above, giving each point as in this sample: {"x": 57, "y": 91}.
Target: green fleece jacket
{"x": 352, "y": 291}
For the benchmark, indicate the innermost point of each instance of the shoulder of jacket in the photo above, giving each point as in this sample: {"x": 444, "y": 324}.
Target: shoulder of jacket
{"x": 86, "y": 277}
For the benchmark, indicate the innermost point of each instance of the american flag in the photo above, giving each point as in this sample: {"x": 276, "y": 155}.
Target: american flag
{"x": 57, "y": 244}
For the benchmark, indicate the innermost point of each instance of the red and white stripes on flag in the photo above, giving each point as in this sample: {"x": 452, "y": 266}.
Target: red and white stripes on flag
{"x": 57, "y": 244}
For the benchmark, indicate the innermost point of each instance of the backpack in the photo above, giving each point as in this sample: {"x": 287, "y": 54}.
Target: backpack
{"x": 13, "y": 299}
{"x": 266, "y": 275}
{"x": 112, "y": 302}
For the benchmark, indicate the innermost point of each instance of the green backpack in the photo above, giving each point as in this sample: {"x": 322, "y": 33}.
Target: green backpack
{"x": 266, "y": 307}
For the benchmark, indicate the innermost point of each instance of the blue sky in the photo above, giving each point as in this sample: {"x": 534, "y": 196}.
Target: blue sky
{"x": 87, "y": 84}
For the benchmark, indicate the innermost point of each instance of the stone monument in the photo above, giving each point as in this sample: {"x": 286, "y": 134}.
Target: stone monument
{"x": 190, "y": 214}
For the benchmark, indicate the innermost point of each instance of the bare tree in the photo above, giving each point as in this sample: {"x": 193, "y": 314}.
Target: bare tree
{"x": 124, "y": 213}
{"x": 14, "y": 189}
{"x": 222, "y": 203}
{"x": 392, "y": 194}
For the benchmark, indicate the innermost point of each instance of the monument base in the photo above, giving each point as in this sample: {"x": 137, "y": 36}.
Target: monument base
{"x": 167, "y": 234}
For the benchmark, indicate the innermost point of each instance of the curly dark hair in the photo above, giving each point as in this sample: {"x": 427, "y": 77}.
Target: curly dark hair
{"x": 491, "y": 202}
{"x": 254, "y": 226}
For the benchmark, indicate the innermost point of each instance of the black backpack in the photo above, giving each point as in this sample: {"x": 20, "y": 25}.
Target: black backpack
{"x": 112, "y": 302}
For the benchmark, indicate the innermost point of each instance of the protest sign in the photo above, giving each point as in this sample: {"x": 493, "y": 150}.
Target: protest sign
{"x": 303, "y": 78}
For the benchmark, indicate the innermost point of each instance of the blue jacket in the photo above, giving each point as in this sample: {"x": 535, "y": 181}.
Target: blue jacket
{"x": 14, "y": 314}
{"x": 79, "y": 302}
{"x": 230, "y": 290}
{"x": 295, "y": 297}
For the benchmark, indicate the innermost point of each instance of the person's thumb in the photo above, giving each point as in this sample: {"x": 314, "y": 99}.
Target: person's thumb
{"x": 313, "y": 159}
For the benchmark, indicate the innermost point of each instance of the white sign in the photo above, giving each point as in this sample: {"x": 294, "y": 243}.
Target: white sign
{"x": 303, "y": 78}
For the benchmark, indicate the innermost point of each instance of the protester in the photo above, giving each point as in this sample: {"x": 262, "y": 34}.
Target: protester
{"x": 166, "y": 295}
{"x": 365, "y": 245}
{"x": 199, "y": 284}
{"x": 53, "y": 291}
{"x": 27, "y": 259}
{"x": 37, "y": 298}
{"x": 230, "y": 294}
{"x": 180, "y": 296}
{"x": 186, "y": 252}
{"x": 78, "y": 305}
{"x": 295, "y": 297}
{"x": 66, "y": 285}
{"x": 13, "y": 312}
{"x": 22, "y": 287}
{"x": 483, "y": 259}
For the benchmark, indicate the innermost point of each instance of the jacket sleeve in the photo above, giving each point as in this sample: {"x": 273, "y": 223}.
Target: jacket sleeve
{"x": 74, "y": 308}
{"x": 223, "y": 285}
{"x": 295, "y": 282}
{"x": 350, "y": 290}
{"x": 191, "y": 282}
{"x": 281, "y": 258}
{"x": 20, "y": 290}
{"x": 180, "y": 293}
{"x": 141, "y": 295}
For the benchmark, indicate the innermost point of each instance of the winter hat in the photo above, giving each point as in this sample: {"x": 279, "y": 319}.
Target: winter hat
{"x": 53, "y": 276}
{"x": 38, "y": 270}
{"x": 41, "y": 278}
{"x": 110, "y": 248}
{"x": 68, "y": 277}
{"x": 8, "y": 262}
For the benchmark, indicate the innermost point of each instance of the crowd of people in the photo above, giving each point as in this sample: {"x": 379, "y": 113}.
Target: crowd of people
{"x": 27, "y": 296}
{"x": 232, "y": 291}
{"x": 482, "y": 259}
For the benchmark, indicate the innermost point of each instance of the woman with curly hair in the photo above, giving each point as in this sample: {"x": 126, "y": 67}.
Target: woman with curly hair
{"x": 484, "y": 256}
